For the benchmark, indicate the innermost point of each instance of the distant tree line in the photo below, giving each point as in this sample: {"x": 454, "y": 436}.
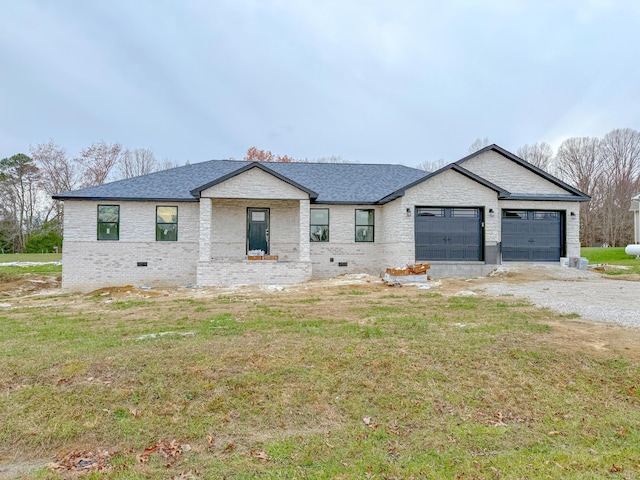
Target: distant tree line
{"x": 607, "y": 169}
{"x": 30, "y": 221}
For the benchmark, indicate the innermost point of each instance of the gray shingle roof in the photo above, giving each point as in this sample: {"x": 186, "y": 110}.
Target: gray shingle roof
{"x": 350, "y": 183}
{"x": 334, "y": 183}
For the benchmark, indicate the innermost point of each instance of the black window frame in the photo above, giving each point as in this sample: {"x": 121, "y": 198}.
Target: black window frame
{"x": 370, "y": 226}
{"x": 100, "y": 236}
{"x": 311, "y": 225}
{"x": 159, "y": 228}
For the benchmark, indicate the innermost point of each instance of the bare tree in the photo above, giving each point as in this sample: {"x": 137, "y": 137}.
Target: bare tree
{"x": 431, "y": 165}
{"x": 167, "y": 163}
{"x": 621, "y": 161}
{"x": 140, "y": 161}
{"x": 58, "y": 174}
{"x": 579, "y": 163}
{"x": 19, "y": 195}
{"x": 97, "y": 161}
{"x": 538, "y": 154}
{"x": 478, "y": 144}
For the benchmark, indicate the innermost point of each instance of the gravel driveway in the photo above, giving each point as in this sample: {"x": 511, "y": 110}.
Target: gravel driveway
{"x": 567, "y": 290}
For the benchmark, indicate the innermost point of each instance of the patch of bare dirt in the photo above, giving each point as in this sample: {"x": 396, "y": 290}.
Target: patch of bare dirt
{"x": 19, "y": 285}
{"x": 20, "y": 468}
{"x": 129, "y": 291}
{"x": 577, "y": 335}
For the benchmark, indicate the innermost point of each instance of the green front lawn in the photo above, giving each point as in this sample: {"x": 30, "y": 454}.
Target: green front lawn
{"x": 11, "y": 273}
{"x": 612, "y": 256}
{"x": 332, "y": 382}
{"x": 30, "y": 257}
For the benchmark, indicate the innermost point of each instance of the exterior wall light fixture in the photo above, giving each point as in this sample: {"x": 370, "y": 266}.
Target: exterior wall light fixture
{"x": 408, "y": 212}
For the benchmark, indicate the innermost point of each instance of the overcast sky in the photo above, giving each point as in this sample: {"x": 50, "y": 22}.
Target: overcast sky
{"x": 396, "y": 81}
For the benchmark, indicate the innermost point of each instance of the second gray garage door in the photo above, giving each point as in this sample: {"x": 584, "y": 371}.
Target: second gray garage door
{"x": 531, "y": 236}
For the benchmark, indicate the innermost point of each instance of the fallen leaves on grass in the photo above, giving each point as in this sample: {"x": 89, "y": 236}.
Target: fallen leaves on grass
{"x": 368, "y": 422}
{"x": 170, "y": 450}
{"x": 262, "y": 455}
{"x": 185, "y": 475}
{"x": 135, "y": 413}
{"x": 82, "y": 461}
{"x": 393, "y": 429}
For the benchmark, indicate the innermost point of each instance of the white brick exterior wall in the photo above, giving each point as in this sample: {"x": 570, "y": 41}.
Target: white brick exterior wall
{"x": 205, "y": 217}
{"x": 250, "y": 272}
{"x": 88, "y": 264}
{"x": 361, "y": 257}
{"x": 509, "y": 175}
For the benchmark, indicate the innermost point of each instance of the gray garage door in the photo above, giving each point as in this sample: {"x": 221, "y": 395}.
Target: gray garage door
{"x": 531, "y": 236}
{"x": 448, "y": 233}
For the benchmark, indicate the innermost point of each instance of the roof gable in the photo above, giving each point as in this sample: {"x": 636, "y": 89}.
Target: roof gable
{"x": 453, "y": 167}
{"x": 196, "y": 192}
{"x": 557, "y": 189}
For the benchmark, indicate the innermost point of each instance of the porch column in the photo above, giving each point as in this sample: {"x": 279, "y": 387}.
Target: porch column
{"x": 305, "y": 252}
{"x": 205, "y": 229}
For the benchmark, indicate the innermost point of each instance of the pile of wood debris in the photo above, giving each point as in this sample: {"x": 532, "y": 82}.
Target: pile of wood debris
{"x": 412, "y": 273}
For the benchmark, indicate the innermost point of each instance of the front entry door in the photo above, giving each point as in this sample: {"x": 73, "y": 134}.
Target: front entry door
{"x": 258, "y": 229}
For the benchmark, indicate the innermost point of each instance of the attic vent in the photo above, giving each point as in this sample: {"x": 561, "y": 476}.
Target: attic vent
{"x": 342, "y": 264}
{"x": 142, "y": 264}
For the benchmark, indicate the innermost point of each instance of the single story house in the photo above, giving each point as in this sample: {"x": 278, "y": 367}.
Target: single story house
{"x": 635, "y": 208}
{"x": 197, "y": 224}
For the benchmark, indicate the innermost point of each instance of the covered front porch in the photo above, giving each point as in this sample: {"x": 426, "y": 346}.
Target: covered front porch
{"x": 231, "y": 228}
